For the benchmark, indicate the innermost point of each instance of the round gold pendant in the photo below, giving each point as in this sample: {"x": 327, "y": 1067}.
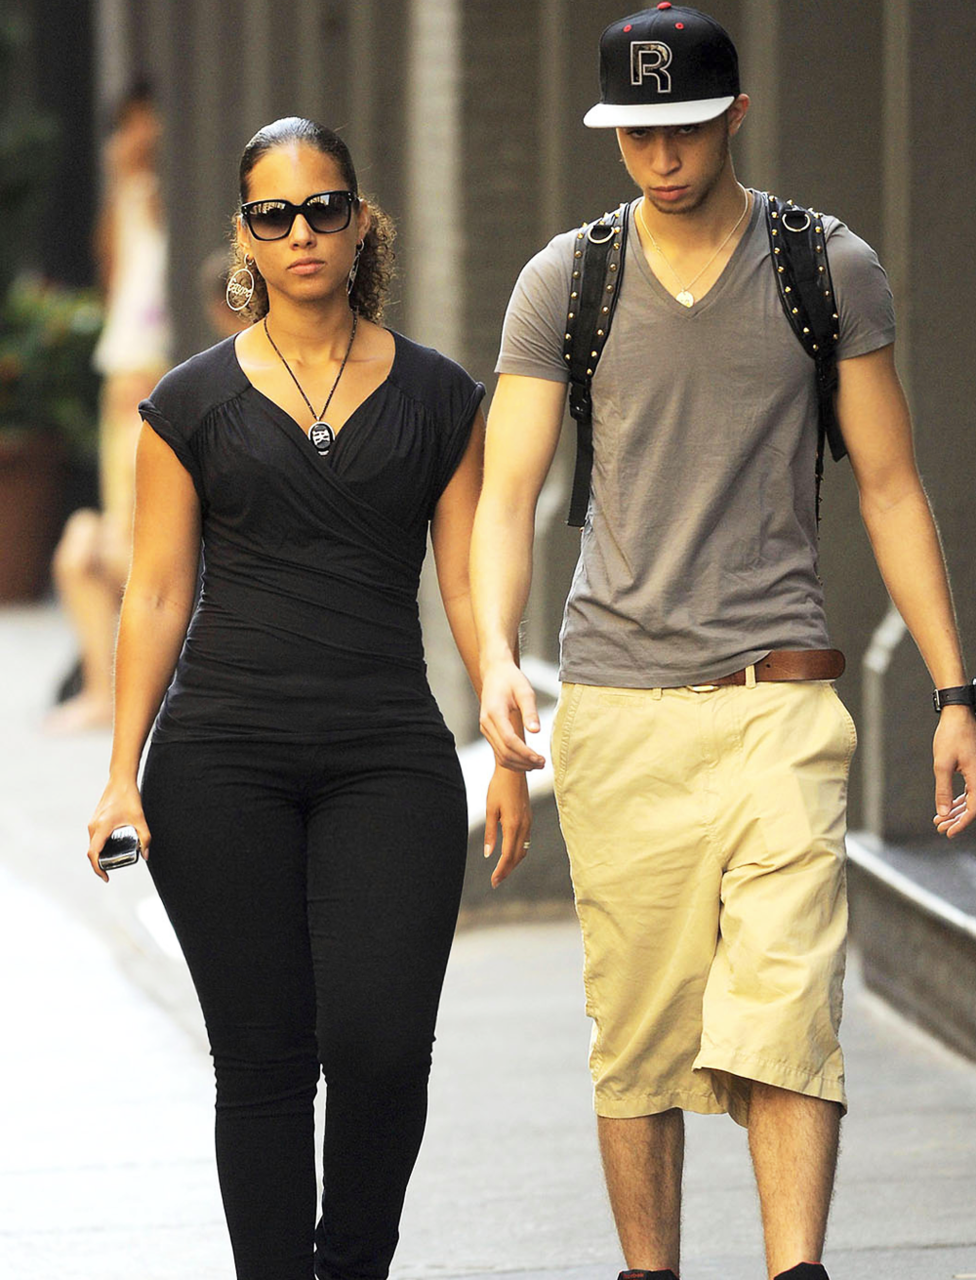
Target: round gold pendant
{"x": 685, "y": 298}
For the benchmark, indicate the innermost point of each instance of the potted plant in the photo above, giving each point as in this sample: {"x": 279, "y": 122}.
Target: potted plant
{"x": 48, "y": 407}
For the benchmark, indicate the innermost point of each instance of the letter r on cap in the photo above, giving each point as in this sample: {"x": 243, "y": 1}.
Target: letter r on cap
{"x": 650, "y": 58}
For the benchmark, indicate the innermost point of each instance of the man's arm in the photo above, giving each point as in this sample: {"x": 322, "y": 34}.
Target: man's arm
{"x": 523, "y": 431}
{"x": 877, "y": 429}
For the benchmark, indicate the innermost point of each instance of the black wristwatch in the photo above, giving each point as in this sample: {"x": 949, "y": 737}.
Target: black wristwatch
{"x": 960, "y": 695}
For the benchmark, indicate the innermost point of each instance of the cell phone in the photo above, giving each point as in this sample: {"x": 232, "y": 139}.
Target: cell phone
{"x": 121, "y": 849}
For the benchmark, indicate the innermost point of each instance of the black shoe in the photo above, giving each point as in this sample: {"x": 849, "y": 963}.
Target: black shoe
{"x": 648, "y": 1275}
{"x": 71, "y": 684}
{"x": 804, "y": 1271}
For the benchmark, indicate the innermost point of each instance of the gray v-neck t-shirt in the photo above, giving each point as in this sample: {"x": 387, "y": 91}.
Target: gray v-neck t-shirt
{"x": 699, "y": 551}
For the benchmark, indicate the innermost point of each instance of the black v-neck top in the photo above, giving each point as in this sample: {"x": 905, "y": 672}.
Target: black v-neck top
{"x": 307, "y": 626}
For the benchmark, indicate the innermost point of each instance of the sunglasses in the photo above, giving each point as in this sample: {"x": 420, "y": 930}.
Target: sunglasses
{"x": 325, "y": 212}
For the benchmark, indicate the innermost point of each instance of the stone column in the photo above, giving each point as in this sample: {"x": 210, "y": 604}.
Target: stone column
{"x": 756, "y": 30}
{"x": 930, "y": 189}
{"x": 433, "y": 220}
{"x": 434, "y": 284}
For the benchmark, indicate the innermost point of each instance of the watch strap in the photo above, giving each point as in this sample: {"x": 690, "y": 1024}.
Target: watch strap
{"x": 960, "y": 695}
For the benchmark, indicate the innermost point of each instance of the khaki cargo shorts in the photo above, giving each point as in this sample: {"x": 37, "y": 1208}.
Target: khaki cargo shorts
{"x": 706, "y": 840}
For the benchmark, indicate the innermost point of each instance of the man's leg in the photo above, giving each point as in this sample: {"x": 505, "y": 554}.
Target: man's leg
{"x": 793, "y": 1140}
{"x": 772, "y": 1004}
{"x": 647, "y": 886}
{"x": 642, "y": 1160}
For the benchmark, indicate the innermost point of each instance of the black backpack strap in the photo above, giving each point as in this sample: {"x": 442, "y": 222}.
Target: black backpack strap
{"x": 799, "y": 251}
{"x": 598, "y": 266}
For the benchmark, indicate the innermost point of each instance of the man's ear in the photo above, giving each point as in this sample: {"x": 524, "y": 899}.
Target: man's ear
{"x": 737, "y": 113}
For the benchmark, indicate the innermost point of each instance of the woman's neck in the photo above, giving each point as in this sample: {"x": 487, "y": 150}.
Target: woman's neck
{"x": 310, "y": 331}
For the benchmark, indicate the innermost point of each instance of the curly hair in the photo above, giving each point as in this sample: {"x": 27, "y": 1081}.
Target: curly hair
{"x": 377, "y": 261}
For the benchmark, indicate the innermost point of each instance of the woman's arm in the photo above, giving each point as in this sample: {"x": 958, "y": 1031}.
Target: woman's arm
{"x": 156, "y": 609}
{"x": 508, "y": 798}
{"x": 450, "y": 532}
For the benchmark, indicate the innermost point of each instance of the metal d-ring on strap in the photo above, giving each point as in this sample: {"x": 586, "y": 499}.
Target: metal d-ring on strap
{"x": 600, "y": 232}
{"x": 598, "y": 258}
{"x": 786, "y": 219}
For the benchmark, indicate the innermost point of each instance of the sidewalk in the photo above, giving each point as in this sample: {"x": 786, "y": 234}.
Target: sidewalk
{"x": 106, "y": 1167}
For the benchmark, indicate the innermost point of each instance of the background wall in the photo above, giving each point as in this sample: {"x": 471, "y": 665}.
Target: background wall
{"x": 464, "y": 119}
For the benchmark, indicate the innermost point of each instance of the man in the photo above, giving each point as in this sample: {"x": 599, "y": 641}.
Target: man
{"x": 700, "y": 752}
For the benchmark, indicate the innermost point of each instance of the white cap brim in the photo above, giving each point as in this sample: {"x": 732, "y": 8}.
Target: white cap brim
{"x": 643, "y": 115}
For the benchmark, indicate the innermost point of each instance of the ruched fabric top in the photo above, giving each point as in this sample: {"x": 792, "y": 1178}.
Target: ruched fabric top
{"x": 307, "y": 626}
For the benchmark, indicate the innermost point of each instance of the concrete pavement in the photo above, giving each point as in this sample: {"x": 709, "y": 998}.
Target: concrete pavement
{"x": 106, "y": 1167}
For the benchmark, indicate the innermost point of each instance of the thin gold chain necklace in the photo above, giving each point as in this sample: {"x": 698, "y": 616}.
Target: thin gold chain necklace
{"x": 686, "y": 297}
{"x": 320, "y": 433}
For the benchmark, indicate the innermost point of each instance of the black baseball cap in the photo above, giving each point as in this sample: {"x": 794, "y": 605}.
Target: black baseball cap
{"x": 669, "y": 65}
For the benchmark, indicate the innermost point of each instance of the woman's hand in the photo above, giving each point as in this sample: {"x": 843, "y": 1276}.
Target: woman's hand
{"x": 119, "y": 806}
{"x": 508, "y": 805}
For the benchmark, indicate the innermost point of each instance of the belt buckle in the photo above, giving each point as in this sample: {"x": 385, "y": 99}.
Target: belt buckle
{"x": 703, "y": 688}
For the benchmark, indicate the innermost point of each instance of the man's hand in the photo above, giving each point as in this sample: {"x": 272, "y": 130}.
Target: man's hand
{"x": 508, "y": 701}
{"x": 954, "y": 751}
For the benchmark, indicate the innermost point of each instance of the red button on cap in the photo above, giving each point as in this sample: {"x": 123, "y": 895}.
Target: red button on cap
{"x": 665, "y": 4}
{"x": 628, "y": 27}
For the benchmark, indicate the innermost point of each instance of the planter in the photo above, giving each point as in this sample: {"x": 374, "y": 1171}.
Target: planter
{"x": 33, "y": 470}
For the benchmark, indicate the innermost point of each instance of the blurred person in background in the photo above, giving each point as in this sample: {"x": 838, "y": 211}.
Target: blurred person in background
{"x": 92, "y": 559}
{"x": 303, "y": 794}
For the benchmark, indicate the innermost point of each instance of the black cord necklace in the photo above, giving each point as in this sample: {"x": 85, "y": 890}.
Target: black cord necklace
{"x": 320, "y": 433}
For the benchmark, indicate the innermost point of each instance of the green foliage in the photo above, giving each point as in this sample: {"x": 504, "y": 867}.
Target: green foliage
{"x": 28, "y": 151}
{"x": 47, "y": 332}
{"x": 47, "y": 336}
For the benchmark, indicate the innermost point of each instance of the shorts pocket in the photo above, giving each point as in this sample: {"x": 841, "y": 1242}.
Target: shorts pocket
{"x": 846, "y": 719}
{"x": 562, "y": 728}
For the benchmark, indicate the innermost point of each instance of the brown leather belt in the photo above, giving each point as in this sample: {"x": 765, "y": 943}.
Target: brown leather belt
{"x": 787, "y": 664}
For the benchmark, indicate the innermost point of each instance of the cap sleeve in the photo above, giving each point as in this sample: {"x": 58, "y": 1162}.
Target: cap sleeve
{"x": 178, "y": 406}
{"x": 462, "y": 396}
{"x": 535, "y": 321}
{"x": 865, "y": 306}
{"x": 177, "y": 439}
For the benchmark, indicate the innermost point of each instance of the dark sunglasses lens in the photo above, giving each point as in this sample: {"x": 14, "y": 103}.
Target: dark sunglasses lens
{"x": 329, "y": 212}
{"x": 270, "y": 220}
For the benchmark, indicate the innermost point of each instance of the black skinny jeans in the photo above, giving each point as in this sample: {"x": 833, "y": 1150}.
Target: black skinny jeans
{"x": 314, "y": 890}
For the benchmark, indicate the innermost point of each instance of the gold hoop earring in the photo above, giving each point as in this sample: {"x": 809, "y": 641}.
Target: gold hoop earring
{"x": 240, "y": 287}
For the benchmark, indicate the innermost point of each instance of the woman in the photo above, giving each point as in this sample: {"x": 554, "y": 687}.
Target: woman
{"x": 92, "y": 558}
{"x": 304, "y": 798}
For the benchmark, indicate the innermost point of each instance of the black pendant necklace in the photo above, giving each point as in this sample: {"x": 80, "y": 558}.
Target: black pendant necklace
{"x": 320, "y": 433}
